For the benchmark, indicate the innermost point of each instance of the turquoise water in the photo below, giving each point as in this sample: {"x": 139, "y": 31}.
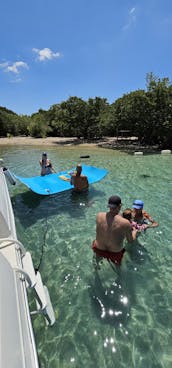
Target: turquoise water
{"x": 105, "y": 319}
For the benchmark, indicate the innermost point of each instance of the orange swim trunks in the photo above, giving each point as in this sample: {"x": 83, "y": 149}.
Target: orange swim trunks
{"x": 115, "y": 257}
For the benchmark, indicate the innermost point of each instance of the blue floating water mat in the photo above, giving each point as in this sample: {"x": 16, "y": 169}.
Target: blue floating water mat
{"x": 59, "y": 182}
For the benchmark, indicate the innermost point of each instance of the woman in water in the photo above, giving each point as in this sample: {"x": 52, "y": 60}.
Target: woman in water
{"x": 127, "y": 214}
{"x": 140, "y": 215}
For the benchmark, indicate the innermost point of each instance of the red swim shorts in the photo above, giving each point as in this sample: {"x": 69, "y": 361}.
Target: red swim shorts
{"x": 115, "y": 257}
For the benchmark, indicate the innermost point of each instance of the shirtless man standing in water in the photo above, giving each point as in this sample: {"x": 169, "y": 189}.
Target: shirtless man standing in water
{"x": 111, "y": 230}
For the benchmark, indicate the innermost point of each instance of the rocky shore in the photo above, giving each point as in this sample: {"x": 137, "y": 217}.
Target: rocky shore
{"x": 129, "y": 145}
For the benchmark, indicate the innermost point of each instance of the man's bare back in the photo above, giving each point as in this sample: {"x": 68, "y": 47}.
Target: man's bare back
{"x": 79, "y": 181}
{"x": 111, "y": 230}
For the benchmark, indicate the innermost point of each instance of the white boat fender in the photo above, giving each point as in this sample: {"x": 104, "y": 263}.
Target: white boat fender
{"x": 165, "y": 151}
{"x": 9, "y": 176}
{"x": 138, "y": 153}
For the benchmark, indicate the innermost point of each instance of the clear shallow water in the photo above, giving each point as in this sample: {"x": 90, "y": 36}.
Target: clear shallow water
{"x": 104, "y": 320}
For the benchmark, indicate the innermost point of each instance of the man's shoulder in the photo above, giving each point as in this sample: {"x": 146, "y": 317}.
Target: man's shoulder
{"x": 123, "y": 221}
{"x": 101, "y": 214}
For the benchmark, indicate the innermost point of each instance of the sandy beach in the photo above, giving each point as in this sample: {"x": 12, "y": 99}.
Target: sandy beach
{"x": 49, "y": 141}
{"x": 128, "y": 145}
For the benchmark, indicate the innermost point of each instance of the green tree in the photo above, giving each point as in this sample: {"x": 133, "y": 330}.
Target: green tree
{"x": 160, "y": 96}
{"x": 38, "y": 126}
{"x": 96, "y": 113}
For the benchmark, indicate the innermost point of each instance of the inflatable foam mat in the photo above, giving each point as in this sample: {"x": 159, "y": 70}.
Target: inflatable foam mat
{"x": 59, "y": 182}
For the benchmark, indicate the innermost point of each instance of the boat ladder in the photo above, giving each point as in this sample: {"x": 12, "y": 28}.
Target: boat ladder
{"x": 33, "y": 280}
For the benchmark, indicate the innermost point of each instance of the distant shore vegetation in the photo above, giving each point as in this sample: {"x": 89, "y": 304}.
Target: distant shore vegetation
{"x": 146, "y": 114}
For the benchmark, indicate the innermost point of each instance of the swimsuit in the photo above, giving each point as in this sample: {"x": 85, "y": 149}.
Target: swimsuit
{"x": 115, "y": 257}
{"x": 141, "y": 221}
{"x": 139, "y": 227}
{"x": 46, "y": 169}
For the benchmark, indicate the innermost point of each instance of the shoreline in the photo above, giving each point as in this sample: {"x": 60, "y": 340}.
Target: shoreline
{"x": 128, "y": 145}
{"x": 49, "y": 141}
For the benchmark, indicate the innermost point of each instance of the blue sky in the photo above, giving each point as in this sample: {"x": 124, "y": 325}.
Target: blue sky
{"x": 53, "y": 49}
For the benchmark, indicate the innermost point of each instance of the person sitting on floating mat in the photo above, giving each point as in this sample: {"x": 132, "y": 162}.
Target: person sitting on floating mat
{"x": 46, "y": 165}
{"x": 141, "y": 216}
{"x": 79, "y": 181}
{"x": 111, "y": 230}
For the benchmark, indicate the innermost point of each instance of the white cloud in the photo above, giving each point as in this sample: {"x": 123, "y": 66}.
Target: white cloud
{"x": 46, "y": 54}
{"x": 132, "y": 10}
{"x": 16, "y": 80}
{"x": 13, "y": 67}
{"x": 4, "y": 65}
{"x": 131, "y": 19}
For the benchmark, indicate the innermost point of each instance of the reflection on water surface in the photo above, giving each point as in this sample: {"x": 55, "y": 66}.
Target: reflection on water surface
{"x": 106, "y": 318}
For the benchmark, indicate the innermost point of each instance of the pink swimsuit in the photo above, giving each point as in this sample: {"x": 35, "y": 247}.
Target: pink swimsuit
{"x": 140, "y": 227}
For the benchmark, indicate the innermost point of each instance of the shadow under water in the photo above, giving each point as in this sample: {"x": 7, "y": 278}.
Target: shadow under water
{"x": 112, "y": 292}
{"x": 111, "y": 295}
{"x": 30, "y": 207}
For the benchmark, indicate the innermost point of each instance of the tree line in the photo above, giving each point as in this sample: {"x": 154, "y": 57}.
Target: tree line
{"x": 146, "y": 114}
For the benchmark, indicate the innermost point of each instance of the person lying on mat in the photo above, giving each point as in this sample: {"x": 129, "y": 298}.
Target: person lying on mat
{"x": 111, "y": 230}
{"x": 79, "y": 181}
{"x": 46, "y": 165}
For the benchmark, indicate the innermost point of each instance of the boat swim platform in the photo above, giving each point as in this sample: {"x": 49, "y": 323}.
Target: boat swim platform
{"x": 17, "y": 274}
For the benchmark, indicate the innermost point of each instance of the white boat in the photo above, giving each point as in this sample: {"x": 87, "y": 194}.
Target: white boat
{"x": 17, "y": 274}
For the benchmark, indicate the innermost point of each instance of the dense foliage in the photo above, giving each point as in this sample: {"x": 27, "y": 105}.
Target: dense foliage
{"x": 145, "y": 114}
